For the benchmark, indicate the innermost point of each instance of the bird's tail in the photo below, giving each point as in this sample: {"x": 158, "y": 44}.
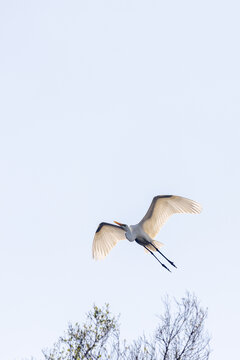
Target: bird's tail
{"x": 156, "y": 243}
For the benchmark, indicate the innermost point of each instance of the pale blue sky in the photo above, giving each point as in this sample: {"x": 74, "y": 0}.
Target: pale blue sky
{"x": 105, "y": 104}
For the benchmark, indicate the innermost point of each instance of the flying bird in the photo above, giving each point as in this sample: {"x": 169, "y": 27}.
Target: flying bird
{"x": 143, "y": 233}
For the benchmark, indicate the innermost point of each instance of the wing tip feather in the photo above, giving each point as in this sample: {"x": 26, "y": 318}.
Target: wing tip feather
{"x": 100, "y": 226}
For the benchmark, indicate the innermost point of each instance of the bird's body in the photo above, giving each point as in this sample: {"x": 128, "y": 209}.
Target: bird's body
{"x": 134, "y": 231}
{"x": 161, "y": 208}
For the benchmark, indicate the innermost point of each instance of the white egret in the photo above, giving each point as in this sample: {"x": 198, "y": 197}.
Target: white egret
{"x": 161, "y": 208}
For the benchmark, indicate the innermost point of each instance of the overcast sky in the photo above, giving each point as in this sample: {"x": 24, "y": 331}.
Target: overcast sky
{"x": 105, "y": 104}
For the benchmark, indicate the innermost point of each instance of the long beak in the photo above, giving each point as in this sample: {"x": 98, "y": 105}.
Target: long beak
{"x": 118, "y": 223}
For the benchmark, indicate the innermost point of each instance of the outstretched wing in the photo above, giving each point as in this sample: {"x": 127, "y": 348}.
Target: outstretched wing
{"x": 106, "y": 237}
{"x": 162, "y": 207}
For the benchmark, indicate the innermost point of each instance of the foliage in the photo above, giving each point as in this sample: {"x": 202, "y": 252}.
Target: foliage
{"x": 180, "y": 335}
{"x": 92, "y": 340}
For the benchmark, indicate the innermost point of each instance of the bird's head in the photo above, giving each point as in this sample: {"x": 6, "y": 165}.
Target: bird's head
{"x": 122, "y": 226}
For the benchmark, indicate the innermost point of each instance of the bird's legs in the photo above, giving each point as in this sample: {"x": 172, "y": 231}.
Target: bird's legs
{"x": 170, "y": 262}
{"x": 156, "y": 258}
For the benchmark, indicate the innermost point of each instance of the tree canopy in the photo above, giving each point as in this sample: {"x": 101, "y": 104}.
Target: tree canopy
{"x": 180, "y": 335}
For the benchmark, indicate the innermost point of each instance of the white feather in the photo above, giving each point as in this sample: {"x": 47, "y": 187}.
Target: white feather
{"x": 106, "y": 237}
{"x": 162, "y": 207}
